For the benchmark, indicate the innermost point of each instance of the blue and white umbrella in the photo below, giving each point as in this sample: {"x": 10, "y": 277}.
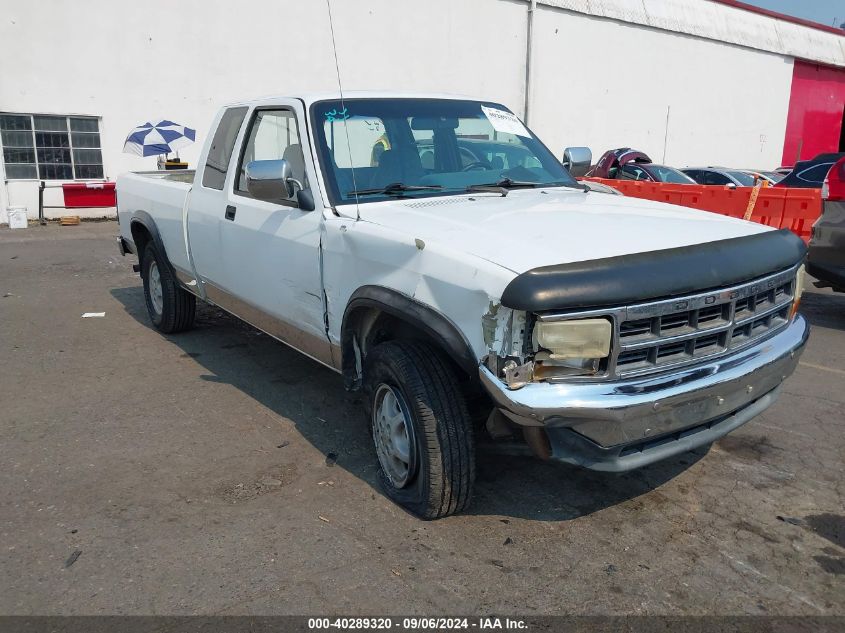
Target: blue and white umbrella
{"x": 154, "y": 138}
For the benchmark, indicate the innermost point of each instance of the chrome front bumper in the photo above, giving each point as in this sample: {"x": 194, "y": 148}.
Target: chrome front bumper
{"x": 620, "y": 425}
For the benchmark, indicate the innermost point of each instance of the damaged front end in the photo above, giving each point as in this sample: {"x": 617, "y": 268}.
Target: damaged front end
{"x": 622, "y": 362}
{"x": 524, "y": 347}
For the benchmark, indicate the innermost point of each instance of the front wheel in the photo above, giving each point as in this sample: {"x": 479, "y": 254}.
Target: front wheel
{"x": 171, "y": 308}
{"x": 421, "y": 429}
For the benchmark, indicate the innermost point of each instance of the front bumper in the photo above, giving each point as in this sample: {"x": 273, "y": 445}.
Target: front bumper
{"x": 620, "y": 425}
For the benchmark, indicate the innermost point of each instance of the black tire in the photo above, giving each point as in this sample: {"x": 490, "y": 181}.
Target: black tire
{"x": 177, "y": 307}
{"x": 441, "y": 437}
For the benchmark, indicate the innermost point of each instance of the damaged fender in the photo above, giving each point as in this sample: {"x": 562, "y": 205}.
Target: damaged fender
{"x": 368, "y": 266}
{"x": 432, "y": 323}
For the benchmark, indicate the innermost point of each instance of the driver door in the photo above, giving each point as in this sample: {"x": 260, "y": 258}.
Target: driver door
{"x": 271, "y": 248}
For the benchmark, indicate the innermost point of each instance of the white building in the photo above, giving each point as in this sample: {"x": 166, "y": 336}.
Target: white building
{"x": 686, "y": 81}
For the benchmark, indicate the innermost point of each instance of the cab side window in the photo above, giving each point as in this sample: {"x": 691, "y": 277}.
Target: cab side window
{"x": 273, "y": 135}
{"x": 222, "y": 146}
{"x": 696, "y": 175}
{"x": 715, "y": 178}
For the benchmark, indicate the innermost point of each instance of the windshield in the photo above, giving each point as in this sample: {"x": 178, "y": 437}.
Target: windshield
{"x": 773, "y": 175}
{"x": 744, "y": 180}
{"x": 429, "y": 146}
{"x": 670, "y": 174}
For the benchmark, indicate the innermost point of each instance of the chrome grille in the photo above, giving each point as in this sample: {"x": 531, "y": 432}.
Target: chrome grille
{"x": 655, "y": 336}
{"x": 685, "y": 329}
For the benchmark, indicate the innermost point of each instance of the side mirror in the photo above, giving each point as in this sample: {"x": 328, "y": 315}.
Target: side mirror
{"x": 271, "y": 180}
{"x": 731, "y": 185}
{"x": 577, "y": 160}
{"x": 305, "y": 200}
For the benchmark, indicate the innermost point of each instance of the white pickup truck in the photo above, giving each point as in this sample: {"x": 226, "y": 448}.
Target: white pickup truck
{"x": 432, "y": 250}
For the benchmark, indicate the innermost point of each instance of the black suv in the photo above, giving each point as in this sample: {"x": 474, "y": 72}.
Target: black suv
{"x": 826, "y": 256}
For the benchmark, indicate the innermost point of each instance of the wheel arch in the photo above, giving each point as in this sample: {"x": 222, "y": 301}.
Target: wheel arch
{"x": 376, "y": 313}
{"x": 143, "y": 228}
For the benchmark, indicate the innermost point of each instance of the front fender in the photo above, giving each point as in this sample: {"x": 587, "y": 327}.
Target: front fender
{"x": 432, "y": 323}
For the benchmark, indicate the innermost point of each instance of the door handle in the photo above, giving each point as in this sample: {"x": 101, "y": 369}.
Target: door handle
{"x": 230, "y": 212}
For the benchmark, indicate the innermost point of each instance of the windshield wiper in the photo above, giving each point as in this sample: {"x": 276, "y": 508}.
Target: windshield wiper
{"x": 506, "y": 184}
{"x": 393, "y": 189}
{"x": 572, "y": 185}
{"x": 503, "y": 186}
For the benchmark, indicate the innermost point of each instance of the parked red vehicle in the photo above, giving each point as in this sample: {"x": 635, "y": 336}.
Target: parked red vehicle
{"x": 625, "y": 163}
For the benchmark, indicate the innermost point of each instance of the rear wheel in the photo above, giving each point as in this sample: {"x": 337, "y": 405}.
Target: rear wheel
{"x": 421, "y": 429}
{"x": 171, "y": 308}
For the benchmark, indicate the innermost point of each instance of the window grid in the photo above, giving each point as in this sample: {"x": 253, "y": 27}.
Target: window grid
{"x": 58, "y": 143}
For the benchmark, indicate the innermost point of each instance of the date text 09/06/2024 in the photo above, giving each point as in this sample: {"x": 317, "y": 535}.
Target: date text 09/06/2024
{"x": 416, "y": 623}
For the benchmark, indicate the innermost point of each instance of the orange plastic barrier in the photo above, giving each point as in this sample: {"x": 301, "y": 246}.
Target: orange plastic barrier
{"x": 712, "y": 199}
{"x": 769, "y": 207}
{"x": 801, "y": 209}
{"x": 692, "y": 198}
{"x": 793, "y": 209}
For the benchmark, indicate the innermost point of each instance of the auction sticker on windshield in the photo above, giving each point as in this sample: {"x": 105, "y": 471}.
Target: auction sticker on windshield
{"x": 503, "y": 121}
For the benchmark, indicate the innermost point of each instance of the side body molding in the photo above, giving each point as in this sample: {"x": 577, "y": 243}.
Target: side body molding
{"x": 431, "y": 323}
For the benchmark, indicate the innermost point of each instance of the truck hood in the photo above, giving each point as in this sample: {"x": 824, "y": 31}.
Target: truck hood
{"x": 531, "y": 228}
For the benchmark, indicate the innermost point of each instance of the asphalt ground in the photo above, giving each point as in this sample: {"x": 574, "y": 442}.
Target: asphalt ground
{"x": 219, "y": 472}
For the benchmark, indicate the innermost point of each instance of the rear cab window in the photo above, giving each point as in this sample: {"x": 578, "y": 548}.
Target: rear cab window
{"x": 222, "y": 146}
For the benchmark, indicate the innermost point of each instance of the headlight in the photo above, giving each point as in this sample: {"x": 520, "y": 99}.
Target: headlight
{"x": 799, "y": 290}
{"x": 577, "y": 339}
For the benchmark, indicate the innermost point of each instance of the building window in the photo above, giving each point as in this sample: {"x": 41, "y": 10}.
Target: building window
{"x": 40, "y": 147}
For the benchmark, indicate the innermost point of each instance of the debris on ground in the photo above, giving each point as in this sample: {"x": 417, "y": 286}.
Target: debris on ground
{"x": 90, "y": 315}
{"x": 508, "y": 541}
{"x": 322, "y": 518}
{"x": 283, "y": 444}
{"x": 790, "y": 520}
{"x": 331, "y": 459}
{"x": 611, "y": 569}
{"x": 72, "y": 558}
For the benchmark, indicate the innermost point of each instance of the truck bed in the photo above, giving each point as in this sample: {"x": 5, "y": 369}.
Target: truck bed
{"x": 181, "y": 175}
{"x": 162, "y": 195}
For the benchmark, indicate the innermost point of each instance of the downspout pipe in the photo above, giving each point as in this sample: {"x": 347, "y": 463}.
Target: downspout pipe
{"x": 529, "y": 47}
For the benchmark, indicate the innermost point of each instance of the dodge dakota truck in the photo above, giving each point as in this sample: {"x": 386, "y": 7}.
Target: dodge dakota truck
{"x": 434, "y": 252}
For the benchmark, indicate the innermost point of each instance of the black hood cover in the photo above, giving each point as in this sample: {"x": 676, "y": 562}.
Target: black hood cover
{"x": 627, "y": 279}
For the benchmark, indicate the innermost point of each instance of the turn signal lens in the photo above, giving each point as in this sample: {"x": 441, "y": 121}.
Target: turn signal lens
{"x": 799, "y": 290}
{"x": 583, "y": 338}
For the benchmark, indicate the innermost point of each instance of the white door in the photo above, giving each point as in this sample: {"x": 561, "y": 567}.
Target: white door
{"x": 270, "y": 249}
{"x": 208, "y": 200}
